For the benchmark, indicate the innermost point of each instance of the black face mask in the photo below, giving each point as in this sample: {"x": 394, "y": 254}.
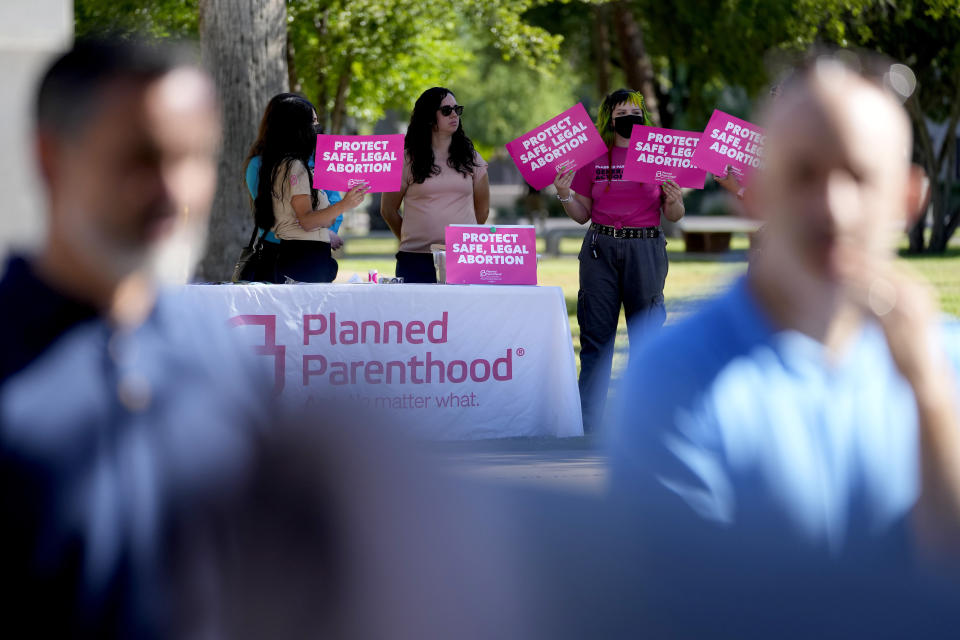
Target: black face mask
{"x": 624, "y": 124}
{"x": 318, "y": 129}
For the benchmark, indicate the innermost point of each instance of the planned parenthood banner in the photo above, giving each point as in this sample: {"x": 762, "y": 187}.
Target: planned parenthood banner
{"x": 463, "y": 363}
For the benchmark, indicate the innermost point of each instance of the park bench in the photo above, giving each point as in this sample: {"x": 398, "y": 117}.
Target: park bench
{"x": 553, "y": 236}
{"x": 702, "y": 234}
{"x": 711, "y": 234}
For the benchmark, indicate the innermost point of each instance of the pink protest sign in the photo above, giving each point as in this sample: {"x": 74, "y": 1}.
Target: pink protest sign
{"x": 569, "y": 139}
{"x": 730, "y": 141}
{"x": 480, "y": 254}
{"x": 344, "y": 161}
{"x": 657, "y": 155}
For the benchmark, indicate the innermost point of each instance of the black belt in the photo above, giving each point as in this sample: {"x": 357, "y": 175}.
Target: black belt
{"x": 626, "y": 232}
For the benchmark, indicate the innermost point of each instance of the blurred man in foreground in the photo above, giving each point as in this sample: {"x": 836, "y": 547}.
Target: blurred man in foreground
{"x": 117, "y": 403}
{"x": 808, "y": 418}
{"x": 150, "y": 486}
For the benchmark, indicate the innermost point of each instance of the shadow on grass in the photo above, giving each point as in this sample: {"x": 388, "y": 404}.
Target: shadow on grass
{"x": 679, "y": 255}
{"x": 516, "y": 444}
{"x": 733, "y": 255}
{"x": 675, "y": 306}
{"x": 685, "y": 305}
{"x": 951, "y": 252}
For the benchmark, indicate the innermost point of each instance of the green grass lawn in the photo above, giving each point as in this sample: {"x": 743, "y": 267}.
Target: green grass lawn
{"x": 689, "y": 280}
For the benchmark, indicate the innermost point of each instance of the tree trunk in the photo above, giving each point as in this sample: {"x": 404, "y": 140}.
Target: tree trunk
{"x": 669, "y": 109}
{"x": 915, "y": 235}
{"x": 292, "y": 78}
{"x": 323, "y": 116}
{"x": 943, "y": 223}
{"x": 601, "y": 41}
{"x": 634, "y": 58}
{"x": 925, "y": 147}
{"x": 952, "y": 223}
{"x": 340, "y": 102}
{"x": 243, "y": 45}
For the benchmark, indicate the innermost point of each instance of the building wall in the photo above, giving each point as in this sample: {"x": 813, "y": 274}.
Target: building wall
{"x": 31, "y": 31}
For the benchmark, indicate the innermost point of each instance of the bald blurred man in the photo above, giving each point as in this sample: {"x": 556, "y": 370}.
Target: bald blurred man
{"x": 816, "y": 402}
{"x": 788, "y": 452}
{"x": 119, "y": 405}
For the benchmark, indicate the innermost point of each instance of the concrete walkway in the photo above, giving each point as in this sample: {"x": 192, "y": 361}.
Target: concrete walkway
{"x": 565, "y": 464}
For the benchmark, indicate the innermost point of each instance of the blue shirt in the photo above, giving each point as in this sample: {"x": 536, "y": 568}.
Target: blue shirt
{"x": 253, "y": 180}
{"x": 731, "y": 422}
{"x": 106, "y": 440}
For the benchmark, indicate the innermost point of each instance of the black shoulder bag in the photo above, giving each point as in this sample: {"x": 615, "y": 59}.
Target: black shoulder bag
{"x": 250, "y": 256}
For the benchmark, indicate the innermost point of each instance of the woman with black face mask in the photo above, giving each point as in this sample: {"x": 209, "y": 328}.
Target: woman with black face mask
{"x": 623, "y": 261}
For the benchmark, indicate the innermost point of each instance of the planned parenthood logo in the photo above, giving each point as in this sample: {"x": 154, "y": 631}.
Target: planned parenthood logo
{"x": 490, "y": 275}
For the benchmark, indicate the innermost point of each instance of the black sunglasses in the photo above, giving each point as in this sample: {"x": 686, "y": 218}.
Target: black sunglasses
{"x": 447, "y": 109}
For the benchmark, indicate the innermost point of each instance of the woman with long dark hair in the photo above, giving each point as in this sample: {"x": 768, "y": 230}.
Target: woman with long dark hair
{"x": 623, "y": 260}
{"x": 444, "y": 182}
{"x": 286, "y": 203}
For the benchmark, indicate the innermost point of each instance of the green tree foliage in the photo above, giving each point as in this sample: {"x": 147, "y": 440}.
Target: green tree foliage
{"x": 505, "y": 98}
{"x": 157, "y": 18}
{"x": 360, "y": 57}
{"x": 517, "y": 62}
{"x": 697, "y": 64}
{"x": 924, "y": 34}
{"x": 718, "y": 54}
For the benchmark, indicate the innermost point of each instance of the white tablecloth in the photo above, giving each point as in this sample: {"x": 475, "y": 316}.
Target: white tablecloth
{"x": 460, "y": 362}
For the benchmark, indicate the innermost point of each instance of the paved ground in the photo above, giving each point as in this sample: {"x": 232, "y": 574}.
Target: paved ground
{"x": 568, "y": 464}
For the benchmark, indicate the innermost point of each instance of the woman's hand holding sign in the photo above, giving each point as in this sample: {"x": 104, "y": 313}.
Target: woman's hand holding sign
{"x": 671, "y": 192}
{"x": 575, "y": 205}
{"x": 673, "y": 207}
{"x": 563, "y": 181}
{"x": 354, "y": 197}
{"x": 310, "y": 219}
{"x": 728, "y": 181}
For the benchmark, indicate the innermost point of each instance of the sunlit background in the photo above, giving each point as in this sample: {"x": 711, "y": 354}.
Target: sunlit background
{"x": 513, "y": 64}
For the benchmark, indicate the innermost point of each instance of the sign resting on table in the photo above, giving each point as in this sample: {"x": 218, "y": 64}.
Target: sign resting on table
{"x": 567, "y": 141}
{"x": 657, "y": 155}
{"x": 342, "y": 162}
{"x": 481, "y": 254}
{"x": 728, "y": 140}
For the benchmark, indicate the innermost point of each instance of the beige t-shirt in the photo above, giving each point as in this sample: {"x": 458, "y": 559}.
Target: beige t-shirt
{"x": 443, "y": 199}
{"x": 297, "y": 183}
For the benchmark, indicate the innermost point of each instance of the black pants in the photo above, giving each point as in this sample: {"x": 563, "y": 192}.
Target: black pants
{"x": 305, "y": 261}
{"x": 628, "y": 272}
{"x": 416, "y": 267}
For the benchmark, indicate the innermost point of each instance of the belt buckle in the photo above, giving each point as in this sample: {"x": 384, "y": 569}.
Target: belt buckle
{"x": 618, "y": 232}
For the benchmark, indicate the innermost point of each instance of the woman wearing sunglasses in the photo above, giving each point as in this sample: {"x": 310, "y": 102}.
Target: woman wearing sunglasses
{"x": 444, "y": 182}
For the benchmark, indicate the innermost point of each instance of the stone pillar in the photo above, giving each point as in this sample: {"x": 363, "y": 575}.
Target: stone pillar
{"x": 31, "y": 32}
